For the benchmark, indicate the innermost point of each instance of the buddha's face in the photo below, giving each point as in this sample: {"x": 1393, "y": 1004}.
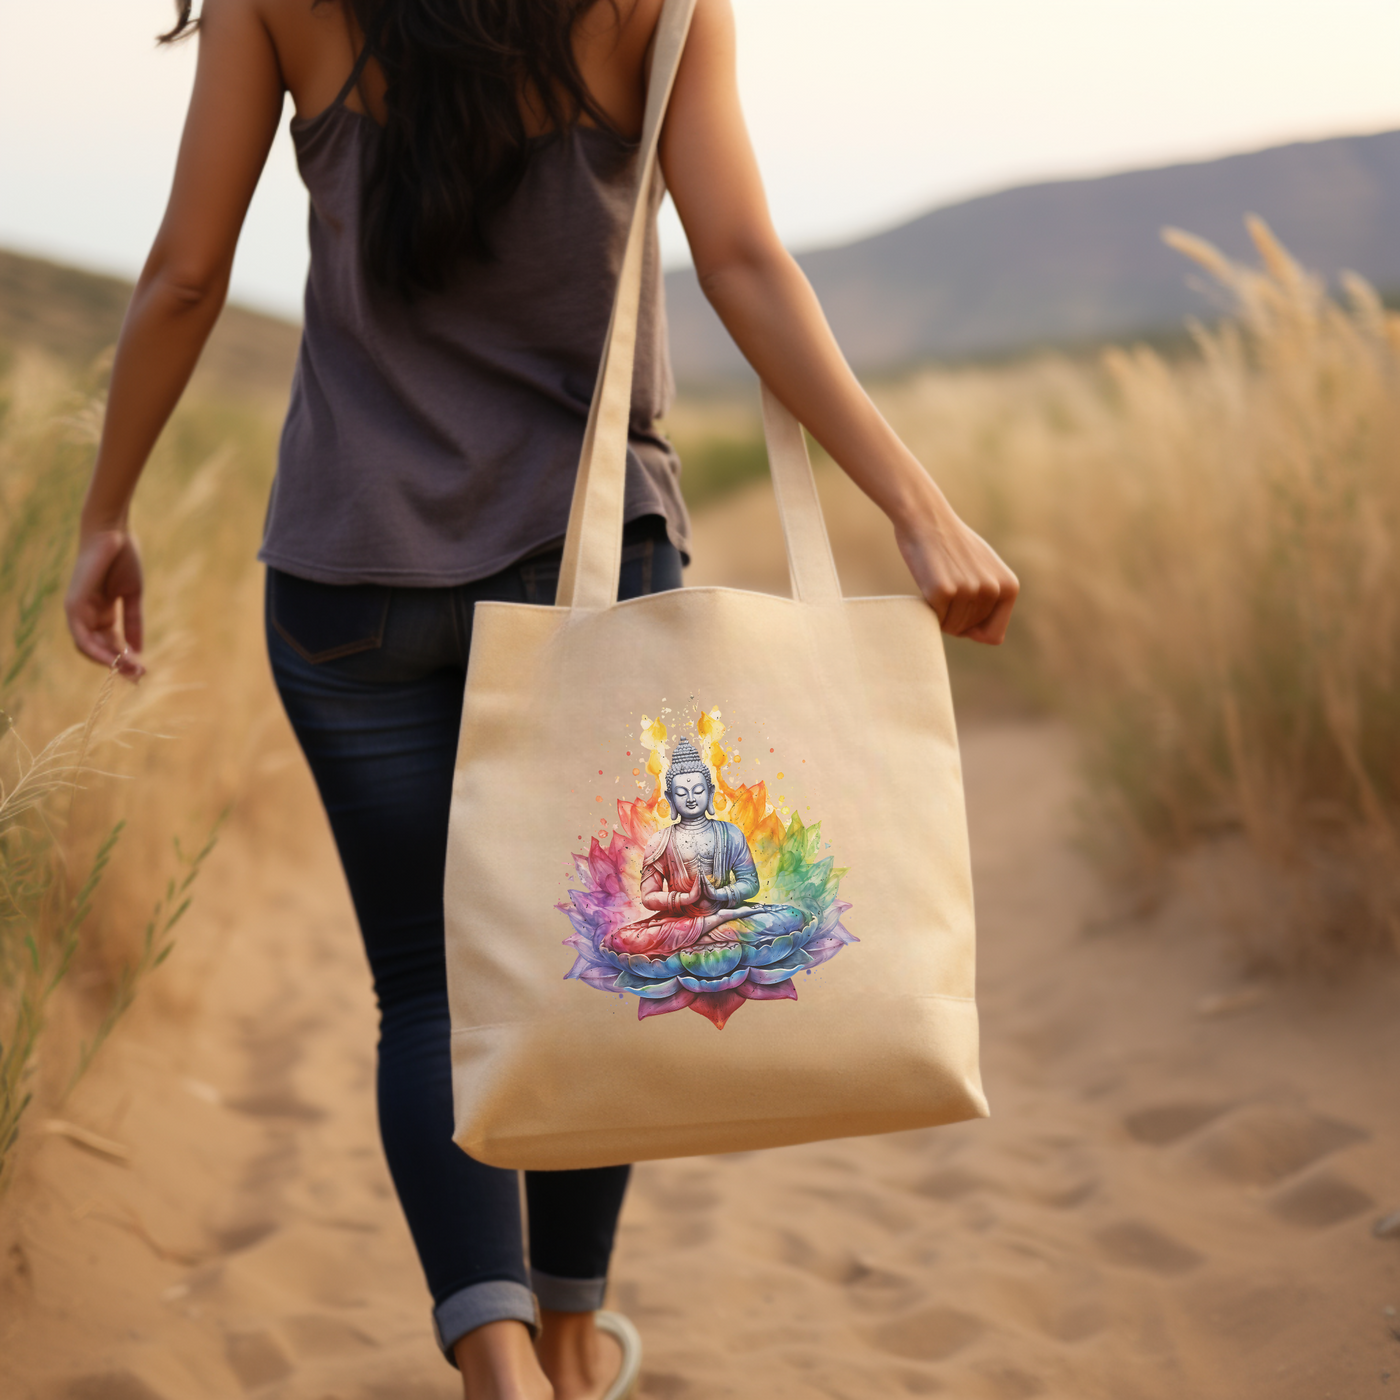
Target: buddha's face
{"x": 690, "y": 795}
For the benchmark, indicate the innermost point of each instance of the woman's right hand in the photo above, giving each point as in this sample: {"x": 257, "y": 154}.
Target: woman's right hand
{"x": 103, "y": 604}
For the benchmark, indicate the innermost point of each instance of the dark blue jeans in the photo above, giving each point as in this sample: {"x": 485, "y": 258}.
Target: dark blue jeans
{"x": 371, "y": 678}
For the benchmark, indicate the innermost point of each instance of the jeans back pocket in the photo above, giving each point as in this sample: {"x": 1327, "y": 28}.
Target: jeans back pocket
{"x": 323, "y": 621}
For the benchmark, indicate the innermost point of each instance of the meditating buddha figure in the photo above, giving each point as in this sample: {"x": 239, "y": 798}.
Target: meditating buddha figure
{"x": 697, "y": 874}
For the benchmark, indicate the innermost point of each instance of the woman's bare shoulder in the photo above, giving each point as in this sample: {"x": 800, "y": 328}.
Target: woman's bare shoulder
{"x": 314, "y": 44}
{"x": 273, "y": 15}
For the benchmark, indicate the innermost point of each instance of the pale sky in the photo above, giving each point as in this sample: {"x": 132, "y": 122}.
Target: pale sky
{"x": 864, "y": 112}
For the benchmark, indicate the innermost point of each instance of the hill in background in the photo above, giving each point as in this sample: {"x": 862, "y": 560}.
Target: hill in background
{"x": 1075, "y": 261}
{"x": 74, "y": 316}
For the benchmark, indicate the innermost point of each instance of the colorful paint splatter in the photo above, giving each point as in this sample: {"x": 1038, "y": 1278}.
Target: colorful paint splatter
{"x": 667, "y": 906}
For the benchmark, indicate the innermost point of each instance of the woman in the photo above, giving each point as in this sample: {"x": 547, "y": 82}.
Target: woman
{"x": 470, "y": 164}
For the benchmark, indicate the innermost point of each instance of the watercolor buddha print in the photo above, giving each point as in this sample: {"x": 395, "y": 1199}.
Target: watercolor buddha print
{"x": 668, "y": 911}
{"x": 698, "y": 875}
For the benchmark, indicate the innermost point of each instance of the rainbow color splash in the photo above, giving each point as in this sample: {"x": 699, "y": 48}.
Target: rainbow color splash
{"x": 714, "y": 980}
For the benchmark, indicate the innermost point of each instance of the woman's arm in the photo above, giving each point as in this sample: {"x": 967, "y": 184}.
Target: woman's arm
{"x": 233, "y": 116}
{"x": 769, "y": 308}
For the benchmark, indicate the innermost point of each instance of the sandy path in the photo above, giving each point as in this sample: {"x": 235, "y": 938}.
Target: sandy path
{"x": 1163, "y": 1205}
{"x": 1166, "y": 1203}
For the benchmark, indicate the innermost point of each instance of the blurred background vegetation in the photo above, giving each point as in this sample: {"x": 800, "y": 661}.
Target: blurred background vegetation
{"x": 1206, "y": 529}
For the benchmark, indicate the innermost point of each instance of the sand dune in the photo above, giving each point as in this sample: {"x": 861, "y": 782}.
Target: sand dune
{"x": 1174, "y": 1197}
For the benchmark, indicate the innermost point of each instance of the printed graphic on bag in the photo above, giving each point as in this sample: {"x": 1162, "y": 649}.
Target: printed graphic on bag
{"x": 668, "y": 903}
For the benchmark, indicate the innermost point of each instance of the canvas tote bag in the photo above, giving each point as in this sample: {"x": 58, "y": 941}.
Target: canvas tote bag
{"x": 605, "y": 1008}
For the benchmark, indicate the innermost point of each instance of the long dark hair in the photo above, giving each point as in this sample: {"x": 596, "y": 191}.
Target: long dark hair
{"x": 454, "y": 144}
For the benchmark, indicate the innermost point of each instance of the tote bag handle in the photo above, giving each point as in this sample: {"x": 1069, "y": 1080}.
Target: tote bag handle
{"x": 588, "y": 575}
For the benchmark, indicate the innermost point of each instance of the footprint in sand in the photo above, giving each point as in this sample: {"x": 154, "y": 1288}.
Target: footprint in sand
{"x": 314, "y": 1336}
{"x": 1261, "y": 1144}
{"x": 241, "y": 1233}
{"x": 257, "y": 1357}
{"x": 1009, "y": 1383}
{"x": 932, "y": 1334}
{"x": 281, "y": 1104}
{"x": 1067, "y": 1310}
{"x": 952, "y": 1184}
{"x": 871, "y": 1288}
{"x": 1136, "y": 1245}
{"x": 1068, "y": 1197}
{"x": 110, "y": 1385}
{"x": 303, "y": 1265}
{"x": 920, "y": 1383}
{"x": 691, "y": 1192}
{"x": 1052, "y": 1039}
{"x": 1319, "y": 1200}
{"x": 275, "y": 1048}
{"x": 798, "y": 1251}
{"x": 685, "y": 1201}
{"x": 1166, "y": 1123}
{"x": 880, "y": 1290}
{"x": 1071, "y": 1320}
{"x": 871, "y": 1207}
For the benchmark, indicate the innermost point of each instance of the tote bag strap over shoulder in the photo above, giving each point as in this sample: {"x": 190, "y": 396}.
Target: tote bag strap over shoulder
{"x": 593, "y": 545}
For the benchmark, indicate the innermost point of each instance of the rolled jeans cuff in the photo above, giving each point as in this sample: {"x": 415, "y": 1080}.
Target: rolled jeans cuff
{"x": 576, "y": 1295}
{"x": 496, "y": 1300}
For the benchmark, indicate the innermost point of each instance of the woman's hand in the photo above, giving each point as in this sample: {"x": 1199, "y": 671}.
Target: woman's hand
{"x": 103, "y": 604}
{"x": 961, "y": 577}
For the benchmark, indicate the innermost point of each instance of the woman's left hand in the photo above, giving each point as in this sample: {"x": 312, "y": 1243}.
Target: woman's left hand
{"x": 961, "y": 577}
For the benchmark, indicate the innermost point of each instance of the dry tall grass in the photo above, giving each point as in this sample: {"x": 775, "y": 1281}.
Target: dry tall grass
{"x": 1209, "y": 547}
{"x": 108, "y": 792}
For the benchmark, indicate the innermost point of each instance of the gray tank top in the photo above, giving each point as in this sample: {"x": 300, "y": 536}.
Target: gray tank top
{"x": 436, "y": 441}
